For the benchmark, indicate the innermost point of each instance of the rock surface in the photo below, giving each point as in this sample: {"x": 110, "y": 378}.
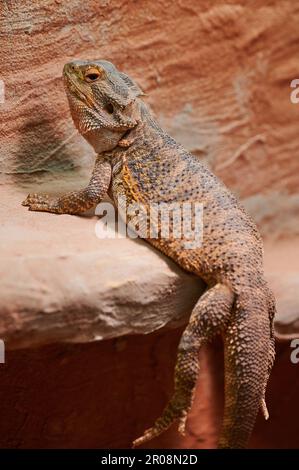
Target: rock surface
{"x": 59, "y": 282}
{"x": 282, "y": 268}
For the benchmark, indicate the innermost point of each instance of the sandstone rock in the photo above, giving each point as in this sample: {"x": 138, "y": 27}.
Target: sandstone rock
{"x": 282, "y": 267}
{"x": 59, "y": 282}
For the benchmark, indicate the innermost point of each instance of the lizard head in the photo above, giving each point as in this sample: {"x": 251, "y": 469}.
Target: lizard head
{"x": 102, "y": 101}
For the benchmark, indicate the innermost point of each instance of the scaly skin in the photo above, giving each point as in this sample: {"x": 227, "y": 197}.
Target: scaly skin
{"x": 138, "y": 160}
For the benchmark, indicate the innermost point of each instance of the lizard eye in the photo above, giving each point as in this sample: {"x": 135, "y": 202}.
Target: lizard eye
{"x": 92, "y": 75}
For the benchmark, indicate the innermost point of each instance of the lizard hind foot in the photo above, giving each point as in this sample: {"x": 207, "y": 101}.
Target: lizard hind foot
{"x": 173, "y": 412}
{"x": 38, "y": 202}
{"x": 146, "y": 436}
{"x": 35, "y": 199}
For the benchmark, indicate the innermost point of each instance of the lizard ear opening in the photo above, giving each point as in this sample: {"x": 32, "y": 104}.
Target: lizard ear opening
{"x": 135, "y": 90}
{"x": 109, "y": 108}
{"x": 121, "y": 89}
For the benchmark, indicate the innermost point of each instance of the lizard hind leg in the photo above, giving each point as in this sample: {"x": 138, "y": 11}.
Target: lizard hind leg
{"x": 247, "y": 354}
{"x": 209, "y": 316}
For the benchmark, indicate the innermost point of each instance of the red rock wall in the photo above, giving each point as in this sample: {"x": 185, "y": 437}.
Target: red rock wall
{"x": 216, "y": 73}
{"x": 105, "y": 394}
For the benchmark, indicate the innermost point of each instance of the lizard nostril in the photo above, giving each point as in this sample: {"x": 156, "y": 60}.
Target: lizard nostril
{"x": 69, "y": 68}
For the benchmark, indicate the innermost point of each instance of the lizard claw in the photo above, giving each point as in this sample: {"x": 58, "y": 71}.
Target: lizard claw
{"x": 26, "y": 201}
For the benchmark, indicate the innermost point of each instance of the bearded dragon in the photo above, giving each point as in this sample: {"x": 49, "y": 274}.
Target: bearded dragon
{"x": 139, "y": 163}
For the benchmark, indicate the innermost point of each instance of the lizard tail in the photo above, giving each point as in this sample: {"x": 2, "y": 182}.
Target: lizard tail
{"x": 272, "y": 312}
{"x": 264, "y": 409}
{"x": 248, "y": 361}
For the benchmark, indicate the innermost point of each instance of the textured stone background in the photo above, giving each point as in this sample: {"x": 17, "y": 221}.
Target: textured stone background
{"x": 218, "y": 78}
{"x": 217, "y": 74}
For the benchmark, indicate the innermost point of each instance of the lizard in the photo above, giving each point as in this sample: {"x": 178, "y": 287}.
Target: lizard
{"x": 137, "y": 160}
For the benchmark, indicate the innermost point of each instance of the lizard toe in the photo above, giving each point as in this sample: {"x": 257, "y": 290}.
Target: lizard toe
{"x": 146, "y": 436}
{"x": 175, "y": 410}
{"x": 35, "y": 199}
{"x": 41, "y": 206}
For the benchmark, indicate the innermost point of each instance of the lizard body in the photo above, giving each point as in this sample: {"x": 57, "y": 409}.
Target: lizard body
{"x": 138, "y": 161}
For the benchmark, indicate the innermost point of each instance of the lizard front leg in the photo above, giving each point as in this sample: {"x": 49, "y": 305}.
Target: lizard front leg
{"x": 77, "y": 201}
{"x": 210, "y": 315}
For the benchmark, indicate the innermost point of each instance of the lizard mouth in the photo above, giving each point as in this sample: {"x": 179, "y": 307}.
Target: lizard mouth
{"x": 81, "y": 98}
